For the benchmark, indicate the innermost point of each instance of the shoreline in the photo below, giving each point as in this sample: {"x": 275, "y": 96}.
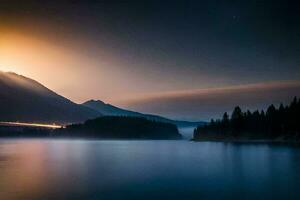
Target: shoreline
{"x": 249, "y": 141}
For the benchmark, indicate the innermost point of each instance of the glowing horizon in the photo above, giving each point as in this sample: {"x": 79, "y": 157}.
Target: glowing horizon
{"x": 109, "y": 52}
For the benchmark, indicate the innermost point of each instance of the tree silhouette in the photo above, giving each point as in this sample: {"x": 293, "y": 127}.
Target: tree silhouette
{"x": 225, "y": 121}
{"x": 282, "y": 122}
{"x": 237, "y": 119}
{"x": 121, "y": 127}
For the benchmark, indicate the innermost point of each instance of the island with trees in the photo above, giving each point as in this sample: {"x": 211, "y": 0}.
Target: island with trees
{"x": 120, "y": 127}
{"x": 275, "y": 124}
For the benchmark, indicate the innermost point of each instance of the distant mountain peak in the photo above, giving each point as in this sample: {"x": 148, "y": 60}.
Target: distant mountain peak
{"x": 94, "y": 101}
{"x": 111, "y": 110}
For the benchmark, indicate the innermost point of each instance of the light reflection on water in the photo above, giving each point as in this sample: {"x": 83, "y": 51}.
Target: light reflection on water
{"x": 80, "y": 169}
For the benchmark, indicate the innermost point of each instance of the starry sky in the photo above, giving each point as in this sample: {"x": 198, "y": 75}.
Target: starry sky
{"x": 181, "y": 59}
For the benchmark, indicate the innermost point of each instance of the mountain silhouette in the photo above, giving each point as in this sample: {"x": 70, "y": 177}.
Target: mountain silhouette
{"x": 26, "y": 100}
{"x": 111, "y": 110}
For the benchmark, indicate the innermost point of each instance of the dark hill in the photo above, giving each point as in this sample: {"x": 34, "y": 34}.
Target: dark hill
{"x": 26, "y": 100}
{"x": 114, "y": 127}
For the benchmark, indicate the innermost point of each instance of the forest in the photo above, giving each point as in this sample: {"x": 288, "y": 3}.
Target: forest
{"x": 282, "y": 122}
{"x": 120, "y": 127}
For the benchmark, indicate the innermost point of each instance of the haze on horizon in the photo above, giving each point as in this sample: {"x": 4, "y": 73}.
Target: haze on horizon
{"x": 180, "y": 59}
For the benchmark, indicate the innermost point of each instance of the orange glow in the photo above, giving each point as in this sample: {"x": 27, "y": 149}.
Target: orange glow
{"x": 24, "y": 174}
{"x": 30, "y": 125}
{"x": 73, "y": 68}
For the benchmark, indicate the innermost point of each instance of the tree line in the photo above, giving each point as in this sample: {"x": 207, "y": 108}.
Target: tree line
{"x": 283, "y": 121}
{"x": 121, "y": 127}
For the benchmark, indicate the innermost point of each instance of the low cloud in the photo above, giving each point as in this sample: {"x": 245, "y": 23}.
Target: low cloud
{"x": 203, "y": 104}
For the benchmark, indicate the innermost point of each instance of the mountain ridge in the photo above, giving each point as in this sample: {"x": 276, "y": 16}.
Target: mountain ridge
{"x": 24, "y": 99}
{"x": 111, "y": 110}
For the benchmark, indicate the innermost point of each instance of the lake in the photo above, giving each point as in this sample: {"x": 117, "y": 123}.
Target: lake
{"x": 36, "y": 169}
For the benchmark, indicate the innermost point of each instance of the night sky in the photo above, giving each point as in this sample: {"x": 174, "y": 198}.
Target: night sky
{"x": 140, "y": 54}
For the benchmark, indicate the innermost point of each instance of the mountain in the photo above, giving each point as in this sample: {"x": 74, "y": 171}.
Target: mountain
{"x": 110, "y": 110}
{"x": 26, "y": 100}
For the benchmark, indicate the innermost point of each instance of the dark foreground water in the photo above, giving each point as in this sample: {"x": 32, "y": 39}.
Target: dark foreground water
{"x": 78, "y": 169}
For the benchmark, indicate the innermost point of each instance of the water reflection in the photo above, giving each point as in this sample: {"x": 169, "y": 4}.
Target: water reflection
{"x": 62, "y": 169}
{"x": 24, "y": 171}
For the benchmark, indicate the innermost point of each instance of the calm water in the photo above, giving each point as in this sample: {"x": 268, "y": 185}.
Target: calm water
{"x": 78, "y": 169}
